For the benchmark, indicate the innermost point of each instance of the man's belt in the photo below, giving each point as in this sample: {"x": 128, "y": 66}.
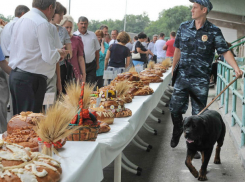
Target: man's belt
{"x": 33, "y": 74}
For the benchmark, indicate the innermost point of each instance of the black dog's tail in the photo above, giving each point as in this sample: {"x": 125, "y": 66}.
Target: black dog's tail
{"x": 200, "y": 104}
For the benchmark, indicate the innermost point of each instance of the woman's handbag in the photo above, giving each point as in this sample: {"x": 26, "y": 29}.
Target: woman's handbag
{"x": 135, "y": 54}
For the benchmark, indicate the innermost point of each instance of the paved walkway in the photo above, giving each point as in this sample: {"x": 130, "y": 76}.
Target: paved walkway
{"x": 164, "y": 164}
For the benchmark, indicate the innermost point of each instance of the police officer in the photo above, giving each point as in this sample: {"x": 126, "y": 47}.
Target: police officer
{"x": 195, "y": 44}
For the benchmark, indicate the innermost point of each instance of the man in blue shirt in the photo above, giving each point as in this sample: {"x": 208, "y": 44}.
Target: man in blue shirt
{"x": 4, "y": 92}
{"x": 195, "y": 44}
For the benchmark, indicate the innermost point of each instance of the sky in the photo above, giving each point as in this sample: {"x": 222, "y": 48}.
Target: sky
{"x": 103, "y": 9}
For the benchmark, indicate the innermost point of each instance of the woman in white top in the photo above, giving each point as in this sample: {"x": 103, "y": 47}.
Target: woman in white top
{"x": 60, "y": 11}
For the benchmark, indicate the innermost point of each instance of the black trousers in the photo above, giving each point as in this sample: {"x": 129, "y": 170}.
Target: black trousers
{"x": 27, "y": 91}
{"x": 214, "y": 71}
{"x": 91, "y": 72}
{"x": 63, "y": 72}
{"x": 100, "y": 81}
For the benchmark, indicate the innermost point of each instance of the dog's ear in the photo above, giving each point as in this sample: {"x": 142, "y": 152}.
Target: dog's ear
{"x": 184, "y": 121}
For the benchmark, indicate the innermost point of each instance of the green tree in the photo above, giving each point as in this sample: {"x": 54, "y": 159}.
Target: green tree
{"x": 8, "y": 18}
{"x": 137, "y": 23}
{"x": 169, "y": 20}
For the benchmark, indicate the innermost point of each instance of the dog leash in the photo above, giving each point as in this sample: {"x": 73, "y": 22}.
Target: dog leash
{"x": 218, "y": 95}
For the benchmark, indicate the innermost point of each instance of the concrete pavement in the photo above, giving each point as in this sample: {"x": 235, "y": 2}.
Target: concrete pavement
{"x": 164, "y": 164}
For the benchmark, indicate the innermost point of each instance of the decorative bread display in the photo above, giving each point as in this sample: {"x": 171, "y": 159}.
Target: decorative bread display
{"x": 152, "y": 71}
{"x": 20, "y": 130}
{"x": 144, "y": 91}
{"x": 103, "y": 115}
{"x": 116, "y": 106}
{"x": 127, "y": 76}
{"x": 84, "y": 122}
{"x": 18, "y": 164}
{"x": 152, "y": 78}
{"x": 104, "y": 127}
{"x": 24, "y": 120}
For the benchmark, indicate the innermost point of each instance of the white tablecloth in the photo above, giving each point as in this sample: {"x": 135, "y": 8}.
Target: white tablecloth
{"x": 123, "y": 130}
{"x": 84, "y": 161}
{"x": 80, "y": 162}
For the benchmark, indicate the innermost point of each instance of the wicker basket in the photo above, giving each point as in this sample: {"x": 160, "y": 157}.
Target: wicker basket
{"x": 84, "y": 134}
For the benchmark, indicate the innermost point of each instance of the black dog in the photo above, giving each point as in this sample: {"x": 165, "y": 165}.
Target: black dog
{"x": 201, "y": 133}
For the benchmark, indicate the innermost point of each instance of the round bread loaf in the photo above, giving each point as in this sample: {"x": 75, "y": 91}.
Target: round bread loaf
{"x": 18, "y": 164}
{"x": 104, "y": 115}
{"x": 23, "y": 121}
{"x": 20, "y": 130}
{"x": 104, "y": 127}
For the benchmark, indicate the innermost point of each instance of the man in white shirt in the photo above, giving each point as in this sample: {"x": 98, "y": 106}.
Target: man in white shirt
{"x": 33, "y": 57}
{"x": 114, "y": 34}
{"x": 151, "y": 47}
{"x": 104, "y": 28}
{"x": 161, "y": 54}
{"x": 6, "y": 37}
{"x": 8, "y": 29}
{"x": 91, "y": 49}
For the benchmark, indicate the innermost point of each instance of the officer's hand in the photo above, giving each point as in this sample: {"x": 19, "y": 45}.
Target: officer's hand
{"x": 239, "y": 72}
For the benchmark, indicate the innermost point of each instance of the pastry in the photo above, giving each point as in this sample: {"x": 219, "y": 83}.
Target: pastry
{"x": 125, "y": 113}
{"x": 20, "y": 130}
{"x": 104, "y": 127}
{"x": 25, "y": 119}
{"x": 127, "y": 76}
{"x": 18, "y": 164}
{"x": 144, "y": 91}
{"x": 104, "y": 115}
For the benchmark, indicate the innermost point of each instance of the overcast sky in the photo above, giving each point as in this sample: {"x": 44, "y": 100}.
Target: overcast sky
{"x": 103, "y": 9}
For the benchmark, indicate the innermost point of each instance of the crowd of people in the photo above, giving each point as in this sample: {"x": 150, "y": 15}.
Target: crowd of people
{"x": 37, "y": 45}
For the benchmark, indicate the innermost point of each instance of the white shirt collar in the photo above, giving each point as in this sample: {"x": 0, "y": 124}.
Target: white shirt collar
{"x": 79, "y": 33}
{"x": 15, "y": 18}
{"x": 39, "y": 12}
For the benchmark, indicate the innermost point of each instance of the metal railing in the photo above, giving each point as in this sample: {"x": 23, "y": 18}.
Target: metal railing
{"x": 240, "y": 50}
{"x": 238, "y": 40}
{"x": 223, "y": 80}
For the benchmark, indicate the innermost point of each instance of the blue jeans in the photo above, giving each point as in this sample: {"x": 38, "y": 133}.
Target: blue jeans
{"x": 135, "y": 62}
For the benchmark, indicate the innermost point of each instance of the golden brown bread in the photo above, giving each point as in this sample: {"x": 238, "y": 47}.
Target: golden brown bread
{"x": 144, "y": 91}
{"x": 125, "y": 113}
{"x": 104, "y": 127}
{"x": 127, "y": 76}
{"x": 20, "y": 130}
{"x": 104, "y": 115}
{"x": 25, "y": 119}
{"x": 18, "y": 165}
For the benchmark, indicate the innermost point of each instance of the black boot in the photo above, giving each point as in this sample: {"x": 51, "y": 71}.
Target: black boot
{"x": 177, "y": 129}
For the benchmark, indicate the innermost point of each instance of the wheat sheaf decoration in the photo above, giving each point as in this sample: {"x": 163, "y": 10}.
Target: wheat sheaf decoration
{"x": 132, "y": 69}
{"x": 166, "y": 63}
{"x": 55, "y": 126}
{"x": 122, "y": 88}
{"x": 151, "y": 65}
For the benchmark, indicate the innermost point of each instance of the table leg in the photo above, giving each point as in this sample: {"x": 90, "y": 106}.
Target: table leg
{"x": 117, "y": 168}
{"x": 155, "y": 118}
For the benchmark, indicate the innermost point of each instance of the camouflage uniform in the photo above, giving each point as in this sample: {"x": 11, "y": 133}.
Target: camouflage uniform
{"x": 197, "y": 53}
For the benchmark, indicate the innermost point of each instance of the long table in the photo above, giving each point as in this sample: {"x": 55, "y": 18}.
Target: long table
{"x": 123, "y": 130}
{"x": 84, "y": 161}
